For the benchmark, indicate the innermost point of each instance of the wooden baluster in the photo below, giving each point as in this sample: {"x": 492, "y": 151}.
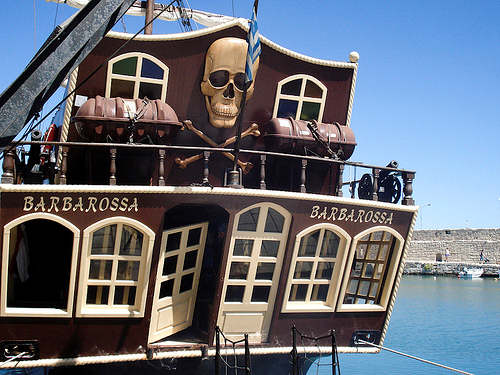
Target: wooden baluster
{"x": 64, "y": 166}
{"x": 8, "y": 166}
{"x": 340, "y": 180}
{"x": 408, "y": 178}
{"x": 112, "y": 166}
{"x": 303, "y": 176}
{"x": 161, "y": 168}
{"x": 206, "y": 157}
{"x": 263, "y": 172}
{"x": 376, "y": 172}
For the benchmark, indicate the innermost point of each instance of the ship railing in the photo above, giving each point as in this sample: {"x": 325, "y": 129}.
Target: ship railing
{"x": 299, "y": 362}
{"x": 368, "y": 187}
{"x": 231, "y": 364}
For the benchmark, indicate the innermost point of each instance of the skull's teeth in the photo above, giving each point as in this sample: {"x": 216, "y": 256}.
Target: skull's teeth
{"x": 225, "y": 110}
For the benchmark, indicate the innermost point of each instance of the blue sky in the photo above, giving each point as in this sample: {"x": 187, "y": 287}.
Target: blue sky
{"x": 427, "y": 91}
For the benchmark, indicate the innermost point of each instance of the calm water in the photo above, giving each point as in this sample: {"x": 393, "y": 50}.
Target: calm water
{"x": 446, "y": 320}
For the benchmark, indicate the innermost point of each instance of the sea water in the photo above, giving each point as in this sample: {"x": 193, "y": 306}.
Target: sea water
{"x": 451, "y": 321}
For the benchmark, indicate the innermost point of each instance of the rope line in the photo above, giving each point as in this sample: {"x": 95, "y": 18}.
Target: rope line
{"x": 414, "y": 357}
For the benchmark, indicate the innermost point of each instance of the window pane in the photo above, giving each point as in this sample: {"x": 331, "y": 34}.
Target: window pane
{"x": 248, "y": 220}
{"x": 100, "y": 269}
{"x": 356, "y": 271}
{"x": 234, "y": 293}
{"x": 313, "y": 90}
{"x": 131, "y": 242}
{"x": 380, "y": 269}
{"x": 173, "y": 241}
{"x": 166, "y": 288}
{"x": 125, "y": 295}
{"x": 319, "y": 292}
{"x": 308, "y": 244}
{"x": 330, "y": 245}
{"x": 373, "y": 290}
{"x": 260, "y": 293}
{"x": 269, "y": 248}
{"x": 298, "y": 292}
{"x": 150, "y": 90}
{"x": 265, "y": 271}
{"x": 128, "y": 270}
{"x": 97, "y": 295}
{"x": 151, "y": 70}
{"x": 243, "y": 248}
{"x": 239, "y": 270}
{"x": 103, "y": 240}
{"x": 287, "y": 108}
{"x": 368, "y": 270}
{"x": 292, "y": 87}
{"x": 361, "y": 251}
{"x": 303, "y": 270}
{"x": 372, "y": 252}
{"x": 190, "y": 259}
{"x": 126, "y": 66}
{"x": 194, "y": 237}
{"x": 377, "y": 236}
{"x": 310, "y": 111}
{"x": 383, "y": 252}
{"x": 186, "y": 282}
{"x": 324, "y": 270}
{"x": 169, "y": 265}
{"x": 364, "y": 286}
{"x": 122, "y": 89}
{"x": 274, "y": 221}
{"x": 353, "y": 287}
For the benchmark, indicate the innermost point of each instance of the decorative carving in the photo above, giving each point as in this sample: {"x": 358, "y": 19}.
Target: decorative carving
{"x": 224, "y": 80}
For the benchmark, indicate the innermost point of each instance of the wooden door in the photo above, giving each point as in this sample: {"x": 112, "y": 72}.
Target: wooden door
{"x": 177, "y": 278}
{"x": 252, "y": 274}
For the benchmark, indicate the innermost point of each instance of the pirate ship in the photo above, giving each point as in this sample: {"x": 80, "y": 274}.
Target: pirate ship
{"x": 174, "y": 198}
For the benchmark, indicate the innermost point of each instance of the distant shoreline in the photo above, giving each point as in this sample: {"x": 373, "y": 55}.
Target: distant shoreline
{"x": 447, "y": 268}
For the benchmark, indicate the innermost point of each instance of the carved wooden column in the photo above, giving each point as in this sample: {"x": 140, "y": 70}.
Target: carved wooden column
{"x": 64, "y": 166}
{"x": 161, "y": 168}
{"x": 8, "y": 166}
{"x": 206, "y": 157}
{"x": 303, "y": 176}
{"x": 408, "y": 178}
{"x": 263, "y": 172}
{"x": 376, "y": 172}
{"x": 340, "y": 180}
{"x": 112, "y": 166}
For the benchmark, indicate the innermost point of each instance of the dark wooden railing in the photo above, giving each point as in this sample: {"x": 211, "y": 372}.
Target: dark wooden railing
{"x": 9, "y": 173}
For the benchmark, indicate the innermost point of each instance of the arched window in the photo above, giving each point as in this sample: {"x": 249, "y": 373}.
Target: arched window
{"x": 38, "y": 273}
{"x": 114, "y": 272}
{"x": 313, "y": 280}
{"x": 371, "y": 270}
{"x": 301, "y": 97}
{"x": 136, "y": 75}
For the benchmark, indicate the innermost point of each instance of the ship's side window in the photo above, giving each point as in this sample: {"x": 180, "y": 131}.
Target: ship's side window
{"x": 136, "y": 75}
{"x": 301, "y": 97}
{"x": 313, "y": 280}
{"x": 115, "y": 268}
{"x": 39, "y": 266}
{"x": 371, "y": 270}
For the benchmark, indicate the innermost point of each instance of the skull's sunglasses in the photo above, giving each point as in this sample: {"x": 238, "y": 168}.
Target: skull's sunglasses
{"x": 220, "y": 78}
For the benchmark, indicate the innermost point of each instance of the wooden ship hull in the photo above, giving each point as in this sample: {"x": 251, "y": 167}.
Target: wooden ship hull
{"x": 143, "y": 239}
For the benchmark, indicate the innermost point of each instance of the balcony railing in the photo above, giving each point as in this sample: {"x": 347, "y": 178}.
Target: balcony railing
{"x": 371, "y": 182}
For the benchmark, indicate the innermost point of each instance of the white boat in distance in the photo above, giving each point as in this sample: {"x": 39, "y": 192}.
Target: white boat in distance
{"x": 471, "y": 273}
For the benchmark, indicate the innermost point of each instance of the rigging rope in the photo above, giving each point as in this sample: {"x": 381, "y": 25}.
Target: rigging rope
{"x": 413, "y": 357}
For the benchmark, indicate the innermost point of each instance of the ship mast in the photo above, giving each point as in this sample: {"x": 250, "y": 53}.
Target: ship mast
{"x": 150, "y": 5}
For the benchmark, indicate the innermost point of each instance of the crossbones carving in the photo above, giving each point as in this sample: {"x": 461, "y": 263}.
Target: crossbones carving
{"x": 245, "y": 166}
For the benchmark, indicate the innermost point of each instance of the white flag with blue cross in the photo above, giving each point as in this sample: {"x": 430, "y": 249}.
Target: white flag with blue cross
{"x": 253, "y": 45}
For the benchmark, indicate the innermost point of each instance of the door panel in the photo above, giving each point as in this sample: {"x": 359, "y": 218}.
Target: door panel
{"x": 181, "y": 257}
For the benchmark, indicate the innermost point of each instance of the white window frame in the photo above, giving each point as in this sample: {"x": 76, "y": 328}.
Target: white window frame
{"x": 137, "y": 79}
{"x": 44, "y": 312}
{"x": 137, "y": 311}
{"x": 301, "y": 98}
{"x": 338, "y": 270}
{"x": 392, "y": 269}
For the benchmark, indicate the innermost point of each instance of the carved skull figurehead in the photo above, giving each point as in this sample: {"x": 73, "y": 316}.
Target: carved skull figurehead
{"x": 224, "y": 80}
